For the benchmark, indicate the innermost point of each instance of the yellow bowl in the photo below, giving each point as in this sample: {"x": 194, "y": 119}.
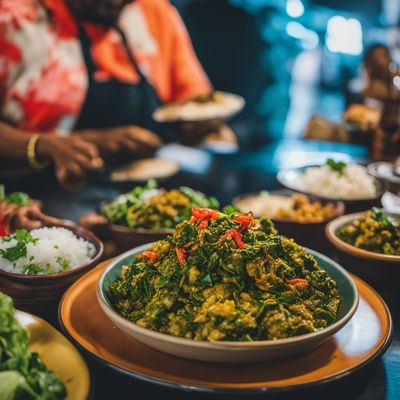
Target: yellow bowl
{"x": 58, "y": 354}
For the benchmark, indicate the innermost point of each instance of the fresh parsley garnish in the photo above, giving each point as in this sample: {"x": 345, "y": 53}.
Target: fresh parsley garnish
{"x": 337, "y": 166}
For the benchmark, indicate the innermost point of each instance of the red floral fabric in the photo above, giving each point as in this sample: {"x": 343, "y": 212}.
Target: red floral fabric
{"x": 43, "y": 79}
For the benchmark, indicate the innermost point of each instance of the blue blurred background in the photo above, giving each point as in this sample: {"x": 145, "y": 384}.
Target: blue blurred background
{"x": 289, "y": 59}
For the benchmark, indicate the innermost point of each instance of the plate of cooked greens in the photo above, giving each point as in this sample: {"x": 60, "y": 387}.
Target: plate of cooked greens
{"x": 36, "y": 361}
{"x": 371, "y": 235}
{"x": 227, "y": 288}
{"x": 148, "y": 213}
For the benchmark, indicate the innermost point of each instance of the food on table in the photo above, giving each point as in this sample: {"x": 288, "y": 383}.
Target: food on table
{"x": 18, "y": 198}
{"x": 23, "y": 375}
{"x": 151, "y": 208}
{"x": 142, "y": 170}
{"x": 362, "y": 116}
{"x": 44, "y": 251}
{"x": 208, "y": 106}
{"x": 226, "y": 277}
{"x": 374, "y": 231}
{"x": 296, "y": 207}
{"x": 339, "y": 180}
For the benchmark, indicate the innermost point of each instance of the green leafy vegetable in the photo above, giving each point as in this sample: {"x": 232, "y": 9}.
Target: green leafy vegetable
{"x": 337, "y": 166}
{"x": 19, "y": 198}
{"x": 23, "y": 376}
{"x": 19, "y": 250}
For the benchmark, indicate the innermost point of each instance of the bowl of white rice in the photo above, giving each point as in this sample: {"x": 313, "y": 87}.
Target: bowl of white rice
{"x": 349, "y": 183}
{"x": 36, "y": 267}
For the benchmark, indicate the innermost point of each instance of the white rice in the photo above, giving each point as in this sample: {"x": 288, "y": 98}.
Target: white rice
{"x": 54, "y": 244}
{"x": 354, "y": 183}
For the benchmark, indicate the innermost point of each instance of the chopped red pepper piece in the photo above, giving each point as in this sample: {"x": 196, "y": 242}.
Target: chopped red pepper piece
{"x": 181, "y": 253}
{"x": 203, "y": 224}
{"x": 298, "y": 282}
{"x": 245, "y": 220}
{"x": 192, "y": 220}
{"x": 150, "y": 255}
{"x": 237, "y": 236}
{"x": 204, "y": 214}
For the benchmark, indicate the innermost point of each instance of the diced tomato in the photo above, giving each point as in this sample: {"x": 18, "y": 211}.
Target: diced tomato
{"x": 236, "y": 236}
{"x": 298, "y": 282}
{"x": 150, "y": 255}
{"x": 204, "y": 214}
{"x": 245, "y": 220}
{"x": 181, "y": 254}
{"x": 203, "y": 224}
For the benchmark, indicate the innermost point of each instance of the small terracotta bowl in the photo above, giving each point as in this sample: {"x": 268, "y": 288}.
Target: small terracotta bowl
{"x": 380, "y": 270}
{"x": 40, "y": 294}
{"x": 308, "y": 234}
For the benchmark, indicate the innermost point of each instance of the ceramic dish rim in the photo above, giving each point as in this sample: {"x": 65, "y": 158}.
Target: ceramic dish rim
{"x": 107, "y": 308}
{"x": 339, "y": 222}
{"x": 221, "y": 390}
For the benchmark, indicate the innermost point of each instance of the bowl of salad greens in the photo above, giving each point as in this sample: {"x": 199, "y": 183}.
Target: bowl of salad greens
{"x": 227, "y": 288}
{"x": 31, "y": 359}
{"x": 148, "y": 213}
{"x": 368, "y": 243}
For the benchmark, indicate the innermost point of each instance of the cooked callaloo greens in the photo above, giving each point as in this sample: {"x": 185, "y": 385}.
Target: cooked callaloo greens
{"x": 23, "y": 376}
{"x": 226, "y": 277}
{"x": 375, "y": 231}
{"x": 151, "y": 208}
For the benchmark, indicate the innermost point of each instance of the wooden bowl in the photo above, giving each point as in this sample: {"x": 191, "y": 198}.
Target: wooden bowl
{"x": 308, "y": 234}
{"x": 380, "y": 270}
{"x": 40, "y": 294}
{"x": 290, "y": 179}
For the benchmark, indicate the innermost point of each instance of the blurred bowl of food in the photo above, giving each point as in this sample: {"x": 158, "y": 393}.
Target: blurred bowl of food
{"x": 215, "y": 107}
{"x": 389, "y": 173}
{"x": 37, "y": 267}
{"x": 336, "y": 180}
{"x": 368, "y": 243}
{"x": 295, "y": 215}
{"x": 148, "y": 213}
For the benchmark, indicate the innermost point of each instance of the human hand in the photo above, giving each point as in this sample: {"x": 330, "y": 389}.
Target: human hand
{"x": 131, "y": 139}
{"x": 73, "y": 158}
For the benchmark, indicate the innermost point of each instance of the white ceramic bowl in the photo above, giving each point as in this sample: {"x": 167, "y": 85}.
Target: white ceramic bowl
{"x": 230, "y": 351}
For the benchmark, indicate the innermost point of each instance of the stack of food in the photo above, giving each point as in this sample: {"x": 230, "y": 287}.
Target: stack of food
{"x": 226, "y": 277}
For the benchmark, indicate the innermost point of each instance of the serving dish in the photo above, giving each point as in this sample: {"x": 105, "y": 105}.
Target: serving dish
{"x": 228, "y": 106}
{"x": 362, "y": 340}
{"x": 229, "y": 351}
{"x": 40, "y": 294}
{"x": 58, "y": 354}
{"x": 389, "y": 173}
{"x": 290, "y": 179}
{"x": 378, "y": 269}
{"x": 308, "y": 234}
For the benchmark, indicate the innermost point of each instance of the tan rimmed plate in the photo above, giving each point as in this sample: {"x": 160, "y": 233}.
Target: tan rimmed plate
{"x": 58, "y": 354}
{"x": 362, "y": 340}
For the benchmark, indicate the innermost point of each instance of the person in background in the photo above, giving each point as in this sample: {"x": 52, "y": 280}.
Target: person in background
{"x": 79, "y": 80}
